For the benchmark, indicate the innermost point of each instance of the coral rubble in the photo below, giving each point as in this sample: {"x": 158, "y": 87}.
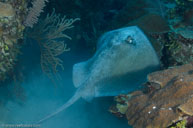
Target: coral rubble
{"x": 12, "y": 13}
{"x": 161, "y": 107}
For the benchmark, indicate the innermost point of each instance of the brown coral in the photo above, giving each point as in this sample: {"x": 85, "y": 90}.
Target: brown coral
{"x": 161, "y": 108}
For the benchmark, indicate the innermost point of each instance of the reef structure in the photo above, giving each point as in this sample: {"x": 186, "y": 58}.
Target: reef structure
{"x": 166, "y": 102}
{"x": 12, "y": 14}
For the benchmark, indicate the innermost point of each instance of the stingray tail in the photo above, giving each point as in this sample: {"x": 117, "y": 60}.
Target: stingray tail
{"x": 62, "y": 108}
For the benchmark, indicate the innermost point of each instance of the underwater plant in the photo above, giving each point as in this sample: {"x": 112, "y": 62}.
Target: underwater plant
{"x": 48, "y": 34}
{"x": 180, "y": 124}
{"x": 34, "y": 12}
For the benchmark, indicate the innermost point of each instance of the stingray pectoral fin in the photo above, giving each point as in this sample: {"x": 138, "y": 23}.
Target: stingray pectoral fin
{"x": 80, "y": 73}
{"x": 71, "y": 101}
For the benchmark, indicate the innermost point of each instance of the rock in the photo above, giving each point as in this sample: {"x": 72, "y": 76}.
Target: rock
{"x": 161, "y": 108}
{"x": 11, "y": 33}
{"x": 6, "y": 10}
{"x": 157, "y": 24}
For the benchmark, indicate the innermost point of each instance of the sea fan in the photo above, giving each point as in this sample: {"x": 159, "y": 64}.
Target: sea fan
{"x": 34, "y": 12}
{"x": 49, "y": 34}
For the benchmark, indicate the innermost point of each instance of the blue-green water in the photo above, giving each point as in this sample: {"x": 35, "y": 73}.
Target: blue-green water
{"x": 40, "y": 96}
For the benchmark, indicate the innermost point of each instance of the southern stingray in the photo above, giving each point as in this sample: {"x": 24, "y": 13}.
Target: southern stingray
{"x": 121, "y": 63}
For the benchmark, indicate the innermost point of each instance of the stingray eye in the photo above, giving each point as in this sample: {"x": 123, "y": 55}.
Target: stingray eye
{"x": 130, "y": 40}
